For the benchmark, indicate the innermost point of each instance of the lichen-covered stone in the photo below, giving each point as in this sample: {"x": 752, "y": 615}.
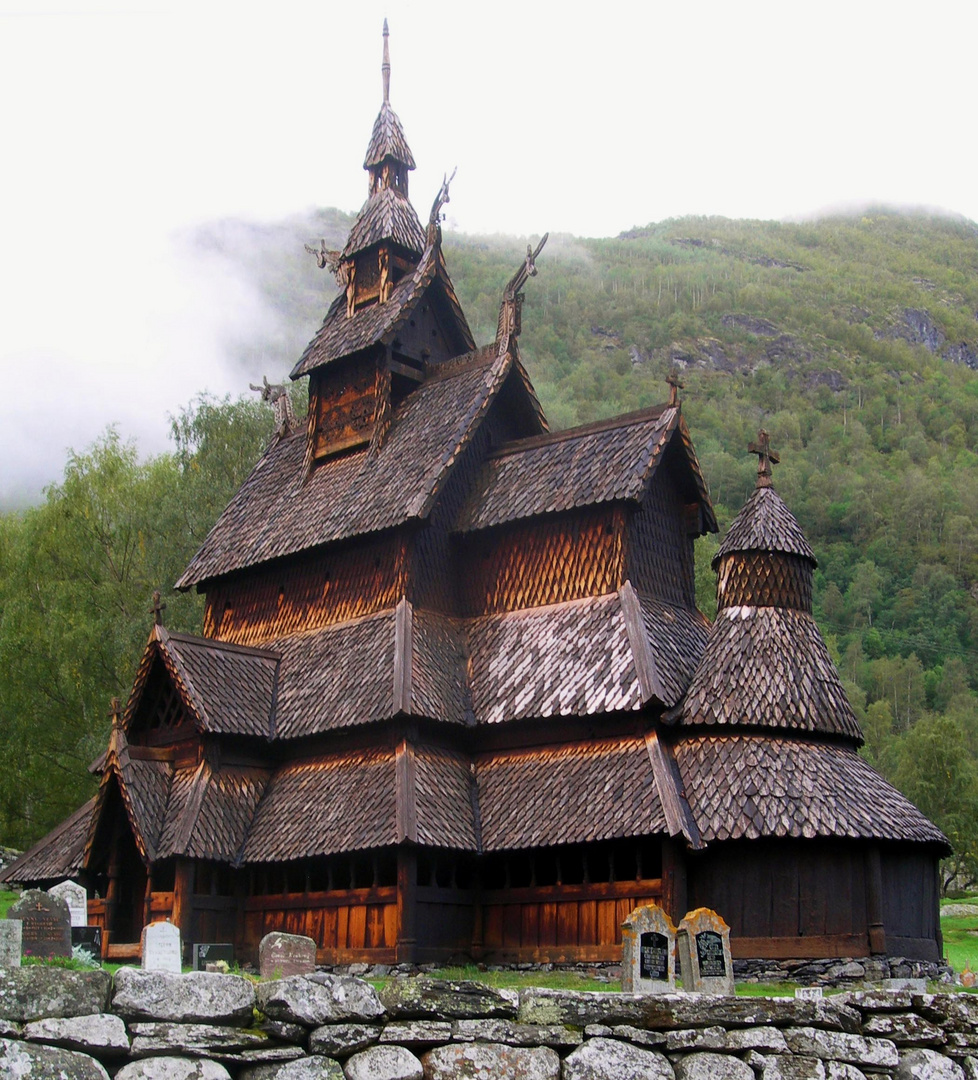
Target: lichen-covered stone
{"x": 383, "y": 1063}
{"x": 197, "y": 997}
{"x": 842, "y": 1046}
{"x": 839, "y": 1070}
{"x": 313, "y": 1000}
{"x": 904, "y": 1029}
{"x": 29, "y": 1061}
{"x": 424, "y": 998}
{"x": 513, "y": 1034}
{"x": 483, "y": 1061}
{"x": 608, "y": 1059}
{"x": 789, "y": 1067}
{"x": 708, "y": 1038}
{"x": 193, "y": 1039}
{"x": 172, "y": 1068}
{"x": 417, "y": 1032}
{"x": 38, "y": 992}
{"x": 927, "y": 1065}
{"x": 768, "y": 1039}
{"x": 340, "y": 1040}
{"x": 708, "y": 1066}
{"x": 101, "y": 1034}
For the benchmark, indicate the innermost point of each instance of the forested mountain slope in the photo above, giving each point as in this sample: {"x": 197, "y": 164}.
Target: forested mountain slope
{"x": 853, "y": 340}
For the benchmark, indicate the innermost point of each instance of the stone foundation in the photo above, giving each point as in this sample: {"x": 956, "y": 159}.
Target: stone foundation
{"x": 144, "y": 1025}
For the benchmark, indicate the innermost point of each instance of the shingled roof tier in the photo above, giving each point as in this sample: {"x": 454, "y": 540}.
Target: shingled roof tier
{"x": 768, "y": 667}
{"x": 386, "y": 215}
{"x": 543, "y": 796}
{"x": 342, "y": 335}
{"x": 279, "y": 511}
{"x": 597, "y": 463}
{"x": 387, "y": 140}
{"x": 748, "y": 787}
{"x": 59, "y": 854}
{"x": 765, "y": 524}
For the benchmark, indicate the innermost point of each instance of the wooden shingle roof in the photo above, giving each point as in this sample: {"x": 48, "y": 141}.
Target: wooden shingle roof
{"x": 277, "y": 511}
{"x": 765, "y": 524}
{"x": 59, "y": 854}
{"x": 768, "y": 667}
{"x": 387, "y": 140}
{"x": 748, "y": 787}
{"x": 567, "y": 794}
{"x": 386, "y": 215}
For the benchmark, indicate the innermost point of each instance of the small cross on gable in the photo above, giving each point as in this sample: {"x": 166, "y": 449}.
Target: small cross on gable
{"x": 675, "y": 385}
{"x": 766, "y": 457}
{"x": 158, "y": 608}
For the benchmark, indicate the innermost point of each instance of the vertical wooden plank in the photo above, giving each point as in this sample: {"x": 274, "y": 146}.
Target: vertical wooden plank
{"x": 587, "y": 915}
{"x": 407, "y": 899}
{"x": 567, "y": 923}
{"x": 390, "y": 926}
{"x": 874, "y": 901}
{"x": 183, "y": 898}
{"x": 358, "y": 926}
{"x": 343, "y": 927}
{"x": 493, "y": 925}
{"x": 375, "y": 926}
{"x": 548, "y": 924}
{"x": 329, "y": 939}
{"x": 512, "y": 922}
{"x": 606, "y": 922}
{"x": 530, "y": 930}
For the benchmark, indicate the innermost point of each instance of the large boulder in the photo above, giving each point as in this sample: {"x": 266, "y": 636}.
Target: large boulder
{"x": 198, "y": 997}
{"x": 25, "y": 1061}
{"x": 444, "y": 999}
{"x": 101, "y": 1034}
{"x": 313, "y": 1000}
{"x": 214, "y": 1040}
{"x": 927, "y": 1065}
{"x": 172, "y": 1068}
{"x": 841, "y": 1046}
{"x": 383, "y": 1063}
{"x": 708, "y": 1066}
{"x": 476, "y": 1061}
{"x": 608, "y": 1059}
{"x": 39, "y": 991}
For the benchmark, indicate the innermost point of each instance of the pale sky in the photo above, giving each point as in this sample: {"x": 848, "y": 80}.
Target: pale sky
{"x": 125, "y": 123}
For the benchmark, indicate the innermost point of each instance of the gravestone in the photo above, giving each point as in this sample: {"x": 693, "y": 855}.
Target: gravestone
{"x": 808, "y": 993}
{"x": 211, "y": 954}
{"x": 76, "y": 897}
{"x": 161, "y": 947}
{"x": 10, "y": 942}
{"x": 648, "y": 941}
{"x": 86, "y": 944}
{"x": 703, "y": 941}
{"x": 45, "y": 925}
{"x": 281, "y": 955}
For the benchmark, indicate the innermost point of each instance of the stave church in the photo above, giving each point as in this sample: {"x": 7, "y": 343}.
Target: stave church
{"x": 453, "y": 697}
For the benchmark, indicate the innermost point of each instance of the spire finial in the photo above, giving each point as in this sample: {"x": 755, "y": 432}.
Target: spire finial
{"x": 115, "y": 711}
{"x": 675, "y": 385}
{"x": 385, "y": 69}
{"x": 766, "y": 457}
{"x": 158, "y": 608}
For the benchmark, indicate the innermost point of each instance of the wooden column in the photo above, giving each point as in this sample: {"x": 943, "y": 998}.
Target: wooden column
{"x": 183, "y": 899}
{"x": 407, "y": 905}
{"x": 674, "y": 891}
{"x": 874, "y": 901}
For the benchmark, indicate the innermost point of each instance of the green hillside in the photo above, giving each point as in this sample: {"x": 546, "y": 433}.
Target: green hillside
{"x": 852, "y": 340}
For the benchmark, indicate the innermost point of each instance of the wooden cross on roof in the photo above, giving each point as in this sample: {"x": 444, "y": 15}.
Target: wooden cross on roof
{"x": 115, "y": 711}
{"x": 766, "y": 457}
{"x": 158, "y": 608}
{"x": 675, "y": 385}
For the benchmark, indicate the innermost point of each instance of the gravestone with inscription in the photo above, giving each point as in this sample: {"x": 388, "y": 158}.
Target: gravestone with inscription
{"x": 703, "y": 943}
{"x": 86, "y": 944}
{"x": 211, "y": 954}
{"x": 45, "y": 925}
{"x": 76, "y": 897}
{"x": 281, "y": 955}
{"x": 10, "y": 942}
{"x": 161, "y": 947}
{"x": 648, "y": 941}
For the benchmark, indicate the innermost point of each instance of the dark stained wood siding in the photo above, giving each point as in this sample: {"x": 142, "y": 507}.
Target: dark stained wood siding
{"x": 546, "y": 561}
{"x": 305, "y": 594}
{"x": 911, "y": 902}
{"x": 343, "y": 403}
{"x": 659, "y": 561}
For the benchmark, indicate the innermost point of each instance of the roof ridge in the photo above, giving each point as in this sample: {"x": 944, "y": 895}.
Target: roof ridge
{"x": 514, "y": 446}
{"x": 229, "y": 646}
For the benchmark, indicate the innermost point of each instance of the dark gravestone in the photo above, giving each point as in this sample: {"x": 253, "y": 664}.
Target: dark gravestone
{"x": 211, "y": 954}
{"x": 46, "y": 925}
{"x": 709, "y": 952}
{"x": 86, "y": 944}
{"x": 654, "y": 956}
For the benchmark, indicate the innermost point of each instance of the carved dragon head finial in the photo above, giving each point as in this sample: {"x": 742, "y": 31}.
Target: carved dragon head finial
{"x": 385, "y": 68}
{"x": 436, "y": 217}
{"x": 508, "y": 325}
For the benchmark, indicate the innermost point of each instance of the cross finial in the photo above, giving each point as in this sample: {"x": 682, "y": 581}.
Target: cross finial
{"x": 115, "y": 711}
{"x": 158, "y": 608}
{"x": 766, "y": 457}
{"x": 385, "y": 69}
{"x": 675, "y": 385}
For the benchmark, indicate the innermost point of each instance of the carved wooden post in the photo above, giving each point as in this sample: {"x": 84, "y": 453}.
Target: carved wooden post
{"x": 674, "y": 898}
{"x": 183, "y": 899}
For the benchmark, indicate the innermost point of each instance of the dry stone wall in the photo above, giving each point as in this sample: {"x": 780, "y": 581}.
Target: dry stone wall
{"x": 205, "y": 1026}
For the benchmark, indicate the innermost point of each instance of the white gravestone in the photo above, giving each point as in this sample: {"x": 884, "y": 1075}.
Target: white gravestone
{"x": 76, "y": 897}
{"x": 161, "y": 947}
{"x": 648, "y": 942}
{"x": 703, "y": 943}
{"x": 11, "y": 931}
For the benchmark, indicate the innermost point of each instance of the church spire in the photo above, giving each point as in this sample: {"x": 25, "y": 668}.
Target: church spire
{"x": 385, "y": 67}
{"x": 389, "y": 158}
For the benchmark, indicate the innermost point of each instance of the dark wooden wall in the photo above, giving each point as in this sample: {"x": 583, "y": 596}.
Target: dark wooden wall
{"x": 911, "y": 903}
{"x": 658, "y": 543}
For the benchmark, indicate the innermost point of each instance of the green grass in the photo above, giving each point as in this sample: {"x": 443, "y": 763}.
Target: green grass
{"x": 7, "y": 898}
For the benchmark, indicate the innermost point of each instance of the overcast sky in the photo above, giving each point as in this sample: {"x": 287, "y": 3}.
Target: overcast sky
{"x": 125, "y": 123}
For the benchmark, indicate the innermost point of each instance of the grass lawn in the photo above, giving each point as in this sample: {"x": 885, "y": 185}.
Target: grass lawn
{"x": 7, "y": 898}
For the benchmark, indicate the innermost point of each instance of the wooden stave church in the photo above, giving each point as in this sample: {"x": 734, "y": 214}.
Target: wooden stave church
{"x": 454, "y": 698}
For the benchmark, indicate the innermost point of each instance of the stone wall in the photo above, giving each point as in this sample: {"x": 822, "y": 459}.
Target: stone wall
{"x": 57, "y": 1023}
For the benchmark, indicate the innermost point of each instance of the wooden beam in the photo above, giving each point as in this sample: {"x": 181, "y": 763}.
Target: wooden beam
{"x": 405, "y": 792}
{"x": 183, "y": 898}
{"x": 407, "y": 905}
{"x": 668, "y": 782}
{"x": 397, "y": 368}
{"x": 403, "y": 656}
{"x": 648, "y": 677}
{"x": 874, "y": 901}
